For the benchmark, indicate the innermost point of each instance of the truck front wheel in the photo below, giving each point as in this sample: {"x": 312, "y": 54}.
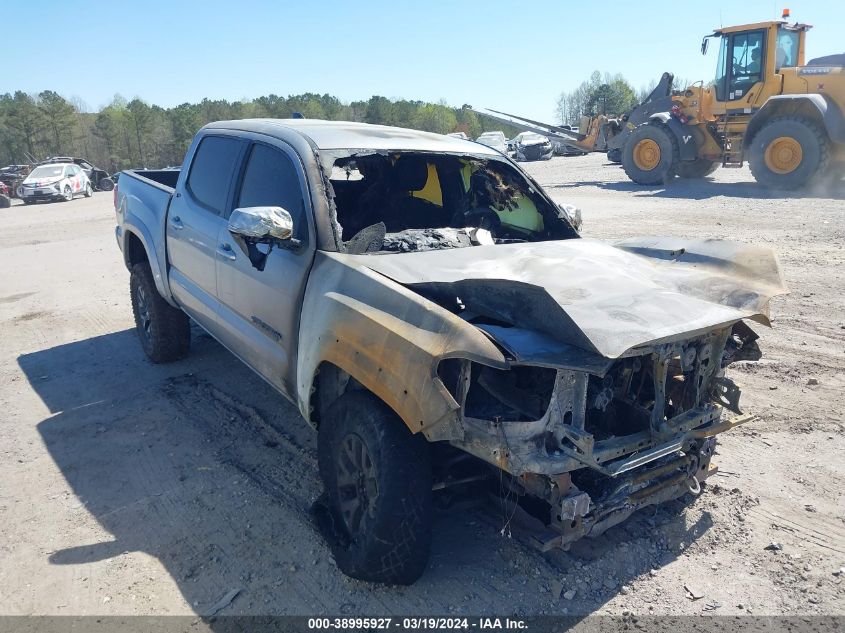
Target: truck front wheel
{"x": 377, "y": 478}
{"x": 650, "y": 155}
{"x": 164, "y": 331}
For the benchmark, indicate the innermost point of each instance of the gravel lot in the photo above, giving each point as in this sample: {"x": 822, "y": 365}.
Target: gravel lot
{"x": 129, "y": 488}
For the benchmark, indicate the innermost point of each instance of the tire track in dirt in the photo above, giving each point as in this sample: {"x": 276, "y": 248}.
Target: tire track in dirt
{"x": 281, "y": 467}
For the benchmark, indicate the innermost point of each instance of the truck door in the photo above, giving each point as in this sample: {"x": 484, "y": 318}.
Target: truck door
{"x": 259, "y": 309}
{"x": 741, "y": 68}
{"x": 194, "y": 220}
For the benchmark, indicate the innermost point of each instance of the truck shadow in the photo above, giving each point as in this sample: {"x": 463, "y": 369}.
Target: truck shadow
{"x": 710, "y": 188}
{"x": 203, "y": 466}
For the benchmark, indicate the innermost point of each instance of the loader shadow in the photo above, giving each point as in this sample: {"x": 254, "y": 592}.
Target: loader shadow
{"x": 706, "y": 188}
{"x": 203, "y": 466}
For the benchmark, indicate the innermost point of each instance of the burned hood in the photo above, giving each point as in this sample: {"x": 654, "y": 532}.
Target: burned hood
{"x": 596, "y": 296}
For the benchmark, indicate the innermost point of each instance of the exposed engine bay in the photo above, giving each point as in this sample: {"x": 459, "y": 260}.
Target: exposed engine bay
{"x": 584, "y": 451}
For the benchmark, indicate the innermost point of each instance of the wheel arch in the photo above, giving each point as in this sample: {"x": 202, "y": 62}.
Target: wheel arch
{"x": 818, "y": 108}
{"x": 137, "y": 248}
{"x": 362, "y": 329}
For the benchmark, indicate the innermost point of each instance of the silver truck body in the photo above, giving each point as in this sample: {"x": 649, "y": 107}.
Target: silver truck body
{"x": 319, "y": 320}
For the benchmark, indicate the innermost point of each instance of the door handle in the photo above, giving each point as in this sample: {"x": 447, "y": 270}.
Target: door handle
{"x": 225, "y": 250}
{"x": 176, "y": 223}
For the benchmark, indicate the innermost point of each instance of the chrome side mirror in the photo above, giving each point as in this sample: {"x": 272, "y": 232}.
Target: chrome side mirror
{"x": 261, "y": 223}
{"x": 573, "y": 214}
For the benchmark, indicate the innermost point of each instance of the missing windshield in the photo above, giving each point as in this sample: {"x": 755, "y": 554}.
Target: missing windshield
{"x": 411, "y": 201}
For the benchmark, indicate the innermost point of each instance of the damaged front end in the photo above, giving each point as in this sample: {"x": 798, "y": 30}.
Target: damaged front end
{"x": 583, "y": 450}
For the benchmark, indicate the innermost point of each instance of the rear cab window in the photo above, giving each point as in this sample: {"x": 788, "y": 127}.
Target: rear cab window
{"x": 212, "y": 171}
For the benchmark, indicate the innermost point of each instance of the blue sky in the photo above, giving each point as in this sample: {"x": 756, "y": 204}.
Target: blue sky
{"x": 512, "y": 56}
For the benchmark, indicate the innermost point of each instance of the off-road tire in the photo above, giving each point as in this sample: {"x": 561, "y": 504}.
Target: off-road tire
{"x": 5, "y": 202}
{"x": 105, "y": 184}
{"x": 815, "y": 149}
{"x": 698, "y": 168}
{"x": 393, "y": 546}
{"x": 164, "y": 331}
{"x": 667, "y": 167}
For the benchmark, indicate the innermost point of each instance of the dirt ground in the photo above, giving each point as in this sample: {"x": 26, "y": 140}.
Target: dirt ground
{"x": 130, "y": 488}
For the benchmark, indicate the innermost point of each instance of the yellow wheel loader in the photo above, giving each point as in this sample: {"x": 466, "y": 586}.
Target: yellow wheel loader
{"x": 766, "y": 106}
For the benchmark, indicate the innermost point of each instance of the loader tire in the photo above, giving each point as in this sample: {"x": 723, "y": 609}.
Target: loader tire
{"x": 698, "y": 168}
{"x": 164, "y": 331}
{"x": 789, "y": 152}
{"x": 650, "y": 155}
{"x": 377, "y": 478}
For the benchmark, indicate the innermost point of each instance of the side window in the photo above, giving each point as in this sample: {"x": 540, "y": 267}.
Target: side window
{"x": 747, "y": 57}
{"x": 211, "y": 172}
{"x": 271, "y": 179}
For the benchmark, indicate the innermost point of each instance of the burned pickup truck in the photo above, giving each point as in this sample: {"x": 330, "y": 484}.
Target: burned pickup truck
{"x": 441, "y": 323}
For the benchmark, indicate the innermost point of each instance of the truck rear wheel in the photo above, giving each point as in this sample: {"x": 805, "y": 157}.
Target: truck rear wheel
{"x": 164, "y": 331}
{"x": 650, "y": 155}
{"x": 698, "y": 168}
{"x": 377, "y": 477}
{"x": 789, "y": 152}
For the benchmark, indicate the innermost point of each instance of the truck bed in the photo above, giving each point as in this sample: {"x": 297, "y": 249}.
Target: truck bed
{"x": 160, "y": 178}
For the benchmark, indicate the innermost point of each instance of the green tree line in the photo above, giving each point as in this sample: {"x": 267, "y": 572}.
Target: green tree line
{"x": 603, "y": 93}
{"x": 130, "y": 134}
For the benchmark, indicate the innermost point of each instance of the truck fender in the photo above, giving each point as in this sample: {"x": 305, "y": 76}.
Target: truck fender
{"x": 815, "y": 106}
{"x": 134, "y": 230}
{"x": 387, "y": 338}
{"x": 687, "y": 139}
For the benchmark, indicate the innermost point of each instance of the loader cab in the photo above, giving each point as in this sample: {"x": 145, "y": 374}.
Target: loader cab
{"x": 750, "y": 59}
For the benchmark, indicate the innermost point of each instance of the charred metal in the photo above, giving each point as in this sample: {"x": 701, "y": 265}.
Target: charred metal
{"x": 585, "y": 377}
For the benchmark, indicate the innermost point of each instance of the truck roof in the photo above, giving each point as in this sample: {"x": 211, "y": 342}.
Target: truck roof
{"x": 327, "y": 135}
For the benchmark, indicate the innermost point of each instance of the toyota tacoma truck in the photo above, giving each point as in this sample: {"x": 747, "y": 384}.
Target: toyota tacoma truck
{"x": 441, "y": 323}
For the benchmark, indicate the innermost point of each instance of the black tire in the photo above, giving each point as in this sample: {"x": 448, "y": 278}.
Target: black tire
{"x": 614, "y": 155}
{"x": 815, "y": 152}
{"x": 25, "y": 201}
{"x": 105, "y": 184}
{"x": 164, "y": 331}
{"x": 665, "y": 167}
{"x": 391, "y": 539}
{"x": 698, "y": 168}
{"x": 5, "y": 202}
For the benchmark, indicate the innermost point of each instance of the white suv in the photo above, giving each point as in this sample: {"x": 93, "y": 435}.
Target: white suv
{"x": 54, "y": 181}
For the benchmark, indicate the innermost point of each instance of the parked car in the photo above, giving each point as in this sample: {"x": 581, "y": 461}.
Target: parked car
{"x": 5, "y": 200}
{"x": 532, "y": 146}
{"x": 100, "y": 179}
{"x": 55, "y": 181}
{"x": 12, "y": 176}
{"x": 564, "y": 149}
{"x": 437, "y": 318}
{"x": 496, "y": 140}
